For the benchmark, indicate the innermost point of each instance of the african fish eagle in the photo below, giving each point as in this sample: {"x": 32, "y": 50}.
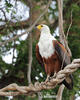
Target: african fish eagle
{"x": 52, "y": 55}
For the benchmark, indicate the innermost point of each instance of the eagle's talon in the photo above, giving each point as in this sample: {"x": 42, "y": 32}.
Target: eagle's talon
{"x": 54, "y": 76}
{"x": 47, "y": 79}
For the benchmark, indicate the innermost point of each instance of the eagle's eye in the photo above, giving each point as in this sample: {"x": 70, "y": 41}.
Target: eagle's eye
{"x": 41, "y": 25}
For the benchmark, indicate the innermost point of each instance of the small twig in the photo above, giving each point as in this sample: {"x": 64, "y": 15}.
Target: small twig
{"x": 69, "y": 26}
{"x": 4, "y": 14}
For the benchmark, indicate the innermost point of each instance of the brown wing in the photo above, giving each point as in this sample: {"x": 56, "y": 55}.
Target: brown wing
{"x": 38, "y": 56}
{"x": 62, "y": 53}
{"x": 65, "y": 60}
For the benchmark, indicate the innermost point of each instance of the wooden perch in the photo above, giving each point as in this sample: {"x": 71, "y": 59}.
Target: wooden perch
{"x": 14, "y": 89}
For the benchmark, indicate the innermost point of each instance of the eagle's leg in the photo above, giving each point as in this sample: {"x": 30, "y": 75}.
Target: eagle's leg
{"x": 48, "y": 78}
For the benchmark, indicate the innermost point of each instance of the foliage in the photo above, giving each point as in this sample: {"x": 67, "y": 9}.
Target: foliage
{"x": 19, "y": 68}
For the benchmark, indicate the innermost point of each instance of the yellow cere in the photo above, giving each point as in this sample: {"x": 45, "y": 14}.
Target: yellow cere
{"x": 39, "y": 27}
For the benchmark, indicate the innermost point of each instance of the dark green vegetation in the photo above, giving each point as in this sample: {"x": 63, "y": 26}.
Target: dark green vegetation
{"x": 17, "y": 70}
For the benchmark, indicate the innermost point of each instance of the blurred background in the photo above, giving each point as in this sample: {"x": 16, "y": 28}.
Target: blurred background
{"x": 18, "y": 63}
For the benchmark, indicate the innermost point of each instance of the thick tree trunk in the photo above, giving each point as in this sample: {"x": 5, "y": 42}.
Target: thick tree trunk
{"x": 62, "y": 37}
{"x": 62, "y": 40}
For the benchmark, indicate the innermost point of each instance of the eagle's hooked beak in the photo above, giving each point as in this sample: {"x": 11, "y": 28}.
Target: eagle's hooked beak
{"x": 39, "y": 27}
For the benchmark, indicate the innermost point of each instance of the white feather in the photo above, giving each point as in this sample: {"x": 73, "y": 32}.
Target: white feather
{"x": 45, "y": 43}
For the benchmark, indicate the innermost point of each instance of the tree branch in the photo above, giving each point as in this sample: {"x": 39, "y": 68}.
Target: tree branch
{"x": 30, "y": 46}
{"x": 61, "y": 30}
{"x": 60, "y": 91}
{"x": 69, "y": 26}
{"x": 28, "y": 90}
{"x": 63, "y": 40}
{"x": 30, "y": 28}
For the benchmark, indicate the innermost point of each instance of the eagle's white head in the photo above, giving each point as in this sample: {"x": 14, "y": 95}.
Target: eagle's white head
{"x": 43, "y": 28}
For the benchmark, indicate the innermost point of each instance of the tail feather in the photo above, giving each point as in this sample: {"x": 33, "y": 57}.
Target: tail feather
{"x": 68, "y": 82}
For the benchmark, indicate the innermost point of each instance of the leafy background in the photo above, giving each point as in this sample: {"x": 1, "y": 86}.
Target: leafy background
{"x": 15, "y": 18}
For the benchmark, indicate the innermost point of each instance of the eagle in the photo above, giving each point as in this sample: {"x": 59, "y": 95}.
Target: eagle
{"x": 51, "y": 54}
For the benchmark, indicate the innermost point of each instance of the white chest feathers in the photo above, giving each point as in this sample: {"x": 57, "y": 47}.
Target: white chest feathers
{"x": 45, "y": 44}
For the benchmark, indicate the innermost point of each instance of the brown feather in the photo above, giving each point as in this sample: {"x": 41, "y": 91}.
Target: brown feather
{"x": 52, "y": 64}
